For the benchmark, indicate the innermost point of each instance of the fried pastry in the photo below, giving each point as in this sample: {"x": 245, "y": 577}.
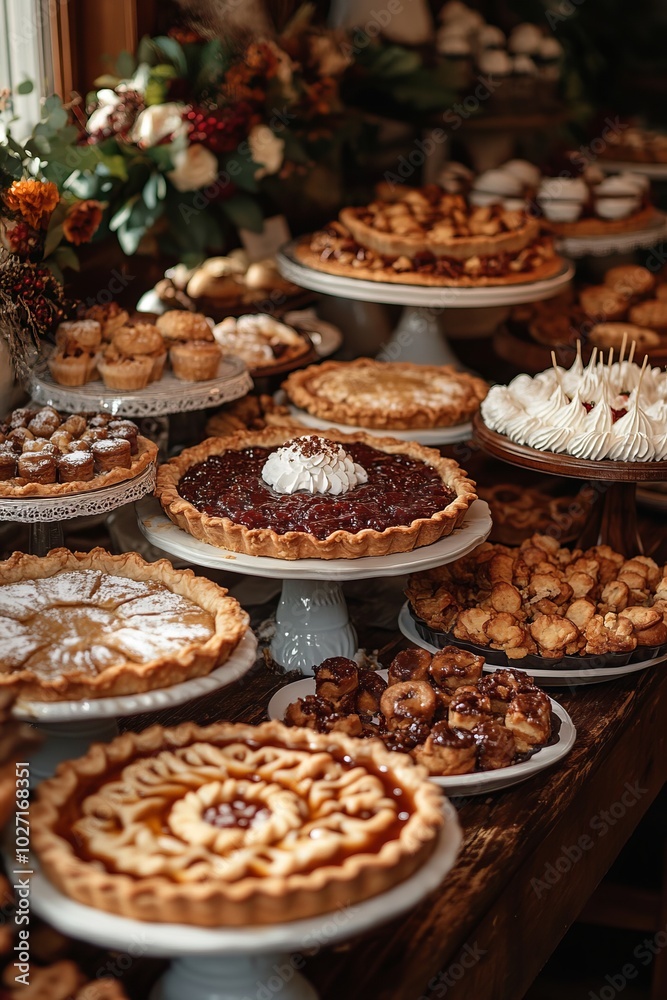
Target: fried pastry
{"x": 452, "y": 668}
{"x": 406, "y": 702}
{"x": 496, "y": 747}
{"x": 336, "y": 681}
{"x": 409, "y": 664}
{"x": 447, "y": 751}
{"x": 469, "y": 706}
{"x": 529, "y": 719}
{"x": 369, "y": 692}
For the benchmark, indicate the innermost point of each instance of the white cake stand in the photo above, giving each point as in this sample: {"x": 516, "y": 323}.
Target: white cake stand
{"x": 656, "y": 171}
{"x": 418, "y": 337}
{"x": 45, "y": 515}
{"x": 312, "y": 621}
{"x": 433, "y": 436}
{"x": 601, "y": 246}
{"x": 70, "y": 727}
{"x": 232, "y": 963}
{"x": 168, "y": 395}
{"x": 545, "y": 677}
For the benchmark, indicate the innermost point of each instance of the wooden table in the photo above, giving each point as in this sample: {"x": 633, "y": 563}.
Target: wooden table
{"x": 531, "y": 858}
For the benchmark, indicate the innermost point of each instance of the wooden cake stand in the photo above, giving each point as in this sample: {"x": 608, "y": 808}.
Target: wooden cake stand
{"x": 613, "y": 517}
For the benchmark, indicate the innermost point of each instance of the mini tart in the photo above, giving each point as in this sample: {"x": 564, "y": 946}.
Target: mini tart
{"x": 592, "y": 226}
{"x": 56, "y": 611}
{"x": 340, "y": 544}
{"x": 386, "y": 395}
{"x": 146, "y": 454}
{"x": 240, "y": 851}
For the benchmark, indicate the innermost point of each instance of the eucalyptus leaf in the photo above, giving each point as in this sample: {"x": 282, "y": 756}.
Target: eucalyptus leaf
{"x": 125, "y": 64}
{"x": 123, "y": 214}
{"x": 25, "y": 87}
{"x": 173, "y": 51}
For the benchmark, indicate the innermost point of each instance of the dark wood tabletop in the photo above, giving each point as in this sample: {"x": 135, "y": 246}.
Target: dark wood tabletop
{"x": 532, "y": 855}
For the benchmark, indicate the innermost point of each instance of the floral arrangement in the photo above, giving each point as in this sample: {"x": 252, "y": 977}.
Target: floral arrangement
{"x": 189, "y": 135}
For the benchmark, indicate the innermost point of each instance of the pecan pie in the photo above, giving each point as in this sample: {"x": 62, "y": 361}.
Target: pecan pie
{"x": 91, "y": 625}
{"x": 428, "y": 237}
{"x": 389, "y": 395}
{"x": 233, "y": 824}
{"x": 44, "y": 453}
{"x": 344, "y": 496}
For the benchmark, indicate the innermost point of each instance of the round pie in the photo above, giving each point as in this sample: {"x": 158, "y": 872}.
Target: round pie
{"x": 411, "y": 496}
{"x": 386, "y": 395}
{"x": 593, "y": 226}
{"x": 91, "y": 625}
{"x": 261, "y": 341}
{"x": 233, "y": 825}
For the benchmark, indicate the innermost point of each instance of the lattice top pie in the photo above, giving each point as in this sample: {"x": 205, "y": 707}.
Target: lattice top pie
{"x": 91, "y": 625}
{"x": 391, "y": 395}
{"x": 233, "y": 824}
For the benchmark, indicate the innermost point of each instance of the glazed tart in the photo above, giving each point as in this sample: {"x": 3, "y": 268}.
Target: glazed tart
{"x": 270, "y": 493}
{"x": 44, "y": 453}
{"x": 428, "y": 237}
{"x": 386, "y": 395}
{"x": 233, "y": 824}
{"x": 91, "y": 625}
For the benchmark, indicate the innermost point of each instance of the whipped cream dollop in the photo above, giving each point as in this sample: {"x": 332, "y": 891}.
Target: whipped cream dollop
{"x": 313, "y": 464}
{"x": 615, "y": 411}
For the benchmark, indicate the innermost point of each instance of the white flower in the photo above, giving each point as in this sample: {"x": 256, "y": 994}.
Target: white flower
{"x": 108, "y": 101}
{"x": 195, "y": 167}
{"x": 158, "y": 122}
{"x": 328, "y": 56}
{"x": 266, "y": 149}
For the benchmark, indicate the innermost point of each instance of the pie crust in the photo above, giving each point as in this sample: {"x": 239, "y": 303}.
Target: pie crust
{"x": 131, "y": 827}
{"x": 386, "y": 395}
{"x": 146, "y": 454}
{"x": 227, "y": 534}
{"x": 605, "y": 227}
{"x": 216, "y": 621}
{"x": 254, "y": 338}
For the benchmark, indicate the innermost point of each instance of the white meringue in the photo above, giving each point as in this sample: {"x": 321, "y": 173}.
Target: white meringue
{"x": 313, "y": 464}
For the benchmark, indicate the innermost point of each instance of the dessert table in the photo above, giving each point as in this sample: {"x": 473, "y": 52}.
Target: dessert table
{"x": 513, "y": 877}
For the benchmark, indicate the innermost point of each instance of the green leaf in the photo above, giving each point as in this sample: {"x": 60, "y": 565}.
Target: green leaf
{"x": 25, "y": 87}
{"x": 123, "y": 214}
{"x": 125, "y": 64}
{"x": 173, "y": 51}
{"x": 162, "y": 156}
{"x": 104, "y": 82}
{"x": 130, "y": 239}
{"x": 66, "y": 257}
{"x": 244, "y": 212}
{"x": 53, "y": 238}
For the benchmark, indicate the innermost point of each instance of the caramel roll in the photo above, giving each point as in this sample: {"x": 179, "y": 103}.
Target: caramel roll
{"x": 40, "y": 444}
{"x": 468, "y": 708}
{"x": 18, "y": 435}
{"x": 408, "y": 737}
{"x": 75, "y": 425}
{"x": 77, "y": 466}
{"x": 21, "y": 417}
{"x": 452, "y": 667}
{"x": 336, "y": 680}
{"x": 448, "y": 751}
{"x": 408, "y": 665}
{"x": 7, "y": 463}
{"x": 369, "y": 693}
{"x": 62, "y": 440}
{"x": 37, "y": 467}
{"x": 111, "y": 453}
{"x": 125, "y": 429}
{"x": 95, "y": 434}
{"x": 319, "y": 714}
{"x": 502, "y": 685}
{"x": 495, "y": 745}
{"x": 406, "y": 702}
{"x": 529, "y": 719}
{"x": 45, "y": 422}
{"x": 80, "y": 445}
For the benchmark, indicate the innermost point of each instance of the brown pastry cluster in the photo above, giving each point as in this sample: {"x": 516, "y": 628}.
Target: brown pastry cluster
{"x": 249, "y": 413}
{"x": 62, "y": 980}
{"x": 636, "y": 145}
{"x": 520, "y": 511}
{"x": 128, "y": 356}
{"x": 44, "y": 446}
{"x": 222, "y": 283}
{"x": 439, "y": 709}
{"x": 546, "y": 600}
{"x": 631, "y": 300}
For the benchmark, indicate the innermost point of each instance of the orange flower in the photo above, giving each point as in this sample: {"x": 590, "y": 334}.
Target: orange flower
{"x": 82, "y": 221}
{"x": 34, "y": 201}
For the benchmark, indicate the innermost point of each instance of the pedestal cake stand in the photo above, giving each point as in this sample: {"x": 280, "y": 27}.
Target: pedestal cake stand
{"x": 234, "y": 963}
{"x": 602, "y": 246}
{"x": 312, "y": 620}
{"x": 429, "y": 436}
{"x": 418, "y": 337}
{"x": 69, "y": 727}
{"x": 613, "y": 517}
{"x": 45, "y": 515}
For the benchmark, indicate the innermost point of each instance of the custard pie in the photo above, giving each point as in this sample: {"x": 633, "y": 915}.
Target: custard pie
{"x": 91, "y": 625}
{"x": 386, "y": 395}
{"x": 270, "y": 493}
{"x": 233, "y": 825}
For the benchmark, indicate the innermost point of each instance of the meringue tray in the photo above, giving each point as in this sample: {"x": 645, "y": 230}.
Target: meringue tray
{"x": 498, "y": 658}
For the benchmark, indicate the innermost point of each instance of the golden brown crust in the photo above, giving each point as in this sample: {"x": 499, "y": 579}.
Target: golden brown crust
{"x": 147, "y": 453}
{"x": 386, "y": 395}
{"x": 224, "y": 533}
{"x": 195, "y": 659}
{"x": 605, "y": 227}
{"x": 251, "y": 900}
{"x": 550, "y": 267}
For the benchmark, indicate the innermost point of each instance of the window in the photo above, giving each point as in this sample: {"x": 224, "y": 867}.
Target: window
{"x": 26, "y": 54}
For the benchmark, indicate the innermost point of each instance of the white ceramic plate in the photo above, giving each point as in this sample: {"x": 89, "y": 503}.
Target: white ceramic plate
{"x": 164, "y": 534}
{"x": 546, "y": 678}
{"x": 657, "y": 171}
{"x": 238, "y": 664}
{"x": 428, "y": 436}
{"x": 419, "y": 295}
{"x": 175, "y": 940}
{"x": 599, "y": 246}
{"x": 478, "y": 783}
